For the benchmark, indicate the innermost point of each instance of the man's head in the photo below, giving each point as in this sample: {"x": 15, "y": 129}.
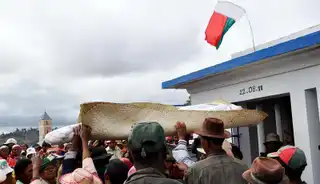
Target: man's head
{"x": 272, "y": 143}
{"x": 4, "y": 151}
{"x": 147, "y": 144}
{"x": 16, "y": 150}
{"x": 212, "y": 134}
{"x": 112, "y": 144}
{"x": 292, "y": 159}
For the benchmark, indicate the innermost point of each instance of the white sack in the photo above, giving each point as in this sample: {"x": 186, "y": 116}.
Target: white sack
{"x": 61, "y": 135}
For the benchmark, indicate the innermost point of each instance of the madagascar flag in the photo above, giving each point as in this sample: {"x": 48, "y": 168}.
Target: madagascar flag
{"x": 224, "y": 16}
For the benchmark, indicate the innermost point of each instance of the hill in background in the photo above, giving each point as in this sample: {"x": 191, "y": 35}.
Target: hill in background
{"x": 29, "y": 136}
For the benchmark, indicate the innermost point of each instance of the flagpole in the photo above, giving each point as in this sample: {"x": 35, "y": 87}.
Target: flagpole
{"x": 251, "y": 30}
{"x": 250, "y": 26}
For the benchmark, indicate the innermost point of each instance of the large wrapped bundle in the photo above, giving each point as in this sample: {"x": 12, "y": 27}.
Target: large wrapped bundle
{"x": 115, "y": 120}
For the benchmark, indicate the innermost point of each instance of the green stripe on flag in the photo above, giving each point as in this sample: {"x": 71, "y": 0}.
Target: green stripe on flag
{"x": 227, "y": 26}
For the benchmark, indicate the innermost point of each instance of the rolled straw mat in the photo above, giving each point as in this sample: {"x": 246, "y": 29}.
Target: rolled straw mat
{"x": 115, "y": 120}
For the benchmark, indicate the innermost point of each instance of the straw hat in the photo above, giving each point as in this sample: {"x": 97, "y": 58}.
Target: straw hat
{"x": 266, "y": 170}
{"x": 115, "y": 120}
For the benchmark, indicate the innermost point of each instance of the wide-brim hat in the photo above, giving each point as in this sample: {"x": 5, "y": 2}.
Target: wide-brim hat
{"x": 247, "y": 175}
{"x": 108, "y": 121}
{"x": 80, "y": 175}
{"x": 272, "y": 138}
{"x": 266, "y": 170}
{"x": 213, "y": 128}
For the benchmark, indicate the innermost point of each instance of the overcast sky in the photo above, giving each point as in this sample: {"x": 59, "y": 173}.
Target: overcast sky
{"x": 55, "y": 55}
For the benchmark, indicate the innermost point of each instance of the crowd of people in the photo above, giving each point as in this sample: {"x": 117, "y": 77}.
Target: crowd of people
{"x": 147, "y": 156}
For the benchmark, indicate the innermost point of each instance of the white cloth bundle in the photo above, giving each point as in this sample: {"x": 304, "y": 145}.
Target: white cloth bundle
{"x": 211, "y": 107}
{"x": 60, "y": 136}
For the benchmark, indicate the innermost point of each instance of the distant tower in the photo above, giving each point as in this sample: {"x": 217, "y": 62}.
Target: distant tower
{"x": 45, "y": 126}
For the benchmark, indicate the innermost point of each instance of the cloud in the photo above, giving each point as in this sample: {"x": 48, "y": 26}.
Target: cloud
{"x": 55, "y": 55}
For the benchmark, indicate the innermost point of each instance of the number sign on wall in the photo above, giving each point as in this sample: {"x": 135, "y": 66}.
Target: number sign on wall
{"x": 251, "y": 89}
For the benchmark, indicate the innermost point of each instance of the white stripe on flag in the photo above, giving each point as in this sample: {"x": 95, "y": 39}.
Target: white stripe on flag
{"x": 230, "y": 9}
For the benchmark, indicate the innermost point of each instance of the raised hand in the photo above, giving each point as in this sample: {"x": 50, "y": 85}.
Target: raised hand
{"x": 181, "y": 130}
{"x": 85, "y": 132}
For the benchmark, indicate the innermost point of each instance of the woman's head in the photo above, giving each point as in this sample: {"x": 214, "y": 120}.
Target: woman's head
{"x": 23, "y": 170}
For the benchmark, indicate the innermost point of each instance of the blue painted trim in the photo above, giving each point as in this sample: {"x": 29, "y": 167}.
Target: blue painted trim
{"x": 276, "y": 50}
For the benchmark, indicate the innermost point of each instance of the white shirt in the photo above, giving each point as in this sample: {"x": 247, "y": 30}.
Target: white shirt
{"x": 116, "y": 152}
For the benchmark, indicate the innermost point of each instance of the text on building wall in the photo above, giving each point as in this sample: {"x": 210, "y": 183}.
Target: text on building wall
{"x": 251, "y": 89}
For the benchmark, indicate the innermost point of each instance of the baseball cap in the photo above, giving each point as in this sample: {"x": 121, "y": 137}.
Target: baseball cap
{"x": 4, "y": 170}
{"x": 31, "y": 151}
{"x": 11, "y": 141}
{"x": 291, "y": 156}
{"x": 49, "y": 160}
{"x": 147, "y": 137}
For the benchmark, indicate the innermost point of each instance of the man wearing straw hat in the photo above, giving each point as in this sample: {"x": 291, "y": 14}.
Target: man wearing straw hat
{"x": 217, "y": 167}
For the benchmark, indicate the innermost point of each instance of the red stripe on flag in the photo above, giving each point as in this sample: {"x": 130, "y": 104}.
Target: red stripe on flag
{"x": 215, "y": 28}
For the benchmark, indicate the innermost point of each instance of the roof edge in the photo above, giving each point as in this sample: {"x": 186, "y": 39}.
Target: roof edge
{"x": 299, "y": 43}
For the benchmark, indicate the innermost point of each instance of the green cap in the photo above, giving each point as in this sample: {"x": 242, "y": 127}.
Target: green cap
{"x": 147, "y": 137}
{"x": 49, "y": 160}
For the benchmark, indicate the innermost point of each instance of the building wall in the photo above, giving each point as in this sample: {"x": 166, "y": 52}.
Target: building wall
{"x": 295, "y": 74}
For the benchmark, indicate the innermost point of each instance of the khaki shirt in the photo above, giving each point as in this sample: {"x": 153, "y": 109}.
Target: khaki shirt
{"x": 149, "y": 175}
{"x": 217, "y": 169}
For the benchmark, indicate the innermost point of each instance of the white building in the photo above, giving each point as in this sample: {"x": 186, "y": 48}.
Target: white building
{"x": 281, "y": 78}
